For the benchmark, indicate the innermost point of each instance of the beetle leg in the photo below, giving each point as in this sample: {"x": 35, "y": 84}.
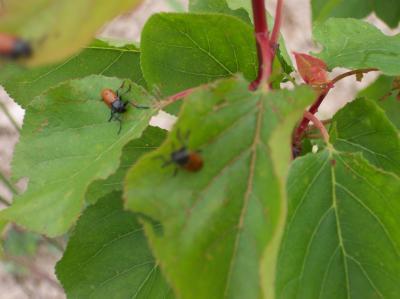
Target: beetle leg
{"x": 111, "y": 116}
{"x": 120, "y": 125}
{"x": 139, "y": 106}
{"x": 175, "y": 171}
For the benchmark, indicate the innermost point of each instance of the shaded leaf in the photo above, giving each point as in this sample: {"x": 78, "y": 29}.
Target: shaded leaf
{"x": 357, "y": 44}
{"x": 100, "y": 58}
{"x": 221, "y": 225}
{"x": 361, "y": 126}
{"x": 342, "y": 236}
{"x": 149, "y": 141}
{"x": 218, "y": 6}
{"x": 66, "y": 143}
{"x": 58, "y": 29}
{"x": 180, "y": 51}
{"x": 381, "y": 91}
{"x": 108, "y": 257}
{"x": 387, "y": 10}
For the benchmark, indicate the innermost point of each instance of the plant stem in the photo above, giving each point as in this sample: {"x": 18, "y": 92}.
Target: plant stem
{"x": 315, "y": 106}
{"x": 318, "y": 124}
{"x": 265, "y": 54}
{"x": 8, "y": 184}
{"x": 10, "y": 117}
{"x": 277, "y": 26}
{"x": 176, "y": 97}
{"x": 5, "y": 202}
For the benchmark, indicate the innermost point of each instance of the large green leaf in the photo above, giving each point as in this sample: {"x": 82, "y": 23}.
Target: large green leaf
{"x": 387, "y": 10}
{"x": 66, "y": 143}
{"x": 381, "y": 92}
{"x": 218, "y": 6}
{"x": 342, "y": 237}
{"x": 108, "y": 257}
{"x": 221, "y": 224}
{"x": 180, "y": 51}
{"x": 361, "y": 126}
{"x": 100, "y": 58}
{"x": 58, "y": 29}
{"x": 357, "y": 44}
{"x": 149, "y": 141}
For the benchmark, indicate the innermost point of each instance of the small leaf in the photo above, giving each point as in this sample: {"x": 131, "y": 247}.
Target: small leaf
{"x": 218, "y": 6}
{"x": 342, "y": 237}
{"x": 99, "y": 58}
{"x": 357, "y": 44}
{"x": 149, "y": 141}
{"x": 67, "y": 143}
{"x": 222, "y": 223}
{"x": 108, "y": 257}
{"x": 361, "y": 126}
{"x": 381, "y": 91}
{"x": 311, "y": 69}
{"x": 59, "y": 29}
{"x": 180, "y": 51}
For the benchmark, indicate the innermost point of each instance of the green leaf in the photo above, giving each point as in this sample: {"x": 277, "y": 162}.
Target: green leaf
{"x": 357, "y": 44}
{"x": 218, "y": 6}
{"x": 67, "y": 143}
{"x": 387, "y": 10}
{"x": 100, "y": 58}
{"x": 221, "y": 223}
{"x": 381, "y": 92}
{"x": 150, "y": 140}
{"x": 59, "y": 29}
{"x": 361, "y": 126}
{"x": 180, "y": 51}
{"x": 342, "y": 237}
{"x": 108, "y": 257}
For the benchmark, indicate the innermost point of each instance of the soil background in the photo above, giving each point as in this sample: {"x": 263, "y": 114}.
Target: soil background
{"x": 297, "y": 32}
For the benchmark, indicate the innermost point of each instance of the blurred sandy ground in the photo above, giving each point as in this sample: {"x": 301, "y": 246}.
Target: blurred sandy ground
{"x": 297, "y": 32}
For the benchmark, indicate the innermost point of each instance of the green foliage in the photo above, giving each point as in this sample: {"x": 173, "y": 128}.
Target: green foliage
{"x": 342, "y": 236}
{"x": 108, "y": 257}
{"x": 100, "y": 58}
{"x": 220, "y": 223}
{"x": 67, "y": 143}
{"x": 356, "y": 44}
{"x": 387, "y": 10}
{"x": 381, "y": 91}
{"x": 218, "y": 6}
{"x": 214, "y": 233}
{"x": 58, "y": 29}
{"x": 21, "y": 242}
{"x": 149, "y": 141}
{"x": 180, "y": 51}
{"x": 361, "y": 126}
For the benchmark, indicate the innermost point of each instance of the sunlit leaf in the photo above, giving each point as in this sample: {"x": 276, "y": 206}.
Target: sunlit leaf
{"x": 58, "y": 29}
{"x": 67, "y": 143}
{"x": 222, "y": 224}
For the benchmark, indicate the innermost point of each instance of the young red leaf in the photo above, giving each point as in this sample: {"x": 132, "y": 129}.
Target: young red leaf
{"x": 312, "y": 70}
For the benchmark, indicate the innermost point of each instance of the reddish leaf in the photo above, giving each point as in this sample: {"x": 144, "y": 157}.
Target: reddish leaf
{"x": 312, "y": 70}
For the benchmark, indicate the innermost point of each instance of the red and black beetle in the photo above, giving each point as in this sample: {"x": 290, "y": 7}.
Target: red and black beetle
{"x": 13, "y": 47}
{"x": 113, "y": 99}
{"x": 184, "y": 158}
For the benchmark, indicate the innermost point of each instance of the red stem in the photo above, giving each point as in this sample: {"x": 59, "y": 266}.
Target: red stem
{"x": 315, "y": 106}
{"x": 277, "y": 26}
{"x": 264, "y": 52}
{"x": 176, "y": 97}
{"x": 318, "y": 124}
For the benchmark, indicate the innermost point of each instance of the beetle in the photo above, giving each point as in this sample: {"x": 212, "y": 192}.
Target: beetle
{"x": 183, "y": 157}
{"x": 113, "y": 99}
{"x": 13, "y": 47}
